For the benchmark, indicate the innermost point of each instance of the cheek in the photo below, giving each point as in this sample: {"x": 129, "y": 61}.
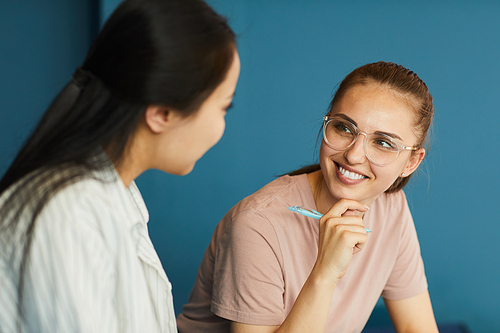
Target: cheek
{"x": 217, "y": 130}
{"x": 387, "y": 175}
{"x": 323, "y": 155}
{"x": 222, "y": 128}
{"x": 211, "y": 131}
{"x": 326, "y": 153}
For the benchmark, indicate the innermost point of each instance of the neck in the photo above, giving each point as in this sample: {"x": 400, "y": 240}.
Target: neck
{"x": 134, "y": 161}
{"x": 322, "y": 197}
{"x": 127, "y": 172}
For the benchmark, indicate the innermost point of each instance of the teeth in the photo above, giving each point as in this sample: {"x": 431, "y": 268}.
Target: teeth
{"x": 350, "y": 175}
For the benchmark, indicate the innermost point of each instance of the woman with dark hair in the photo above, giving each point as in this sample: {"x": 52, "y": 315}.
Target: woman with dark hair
{"x": 270, "y": 270}
{"x": 152, "y": 93}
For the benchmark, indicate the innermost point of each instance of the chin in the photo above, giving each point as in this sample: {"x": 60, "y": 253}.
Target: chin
{"x": 187, "y": 171}
{"x": 180, "y": 171}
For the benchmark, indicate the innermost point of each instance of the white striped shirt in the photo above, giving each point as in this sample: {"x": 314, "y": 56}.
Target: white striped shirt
{"x": 92, "y": 266}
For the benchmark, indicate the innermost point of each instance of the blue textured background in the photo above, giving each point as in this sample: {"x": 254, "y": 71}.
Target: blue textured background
{"x": 293, "y": 54}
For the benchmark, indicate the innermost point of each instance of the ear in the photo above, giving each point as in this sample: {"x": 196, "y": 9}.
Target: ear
{"x": 157, "y": 118}
{"x": 416, "y": 158}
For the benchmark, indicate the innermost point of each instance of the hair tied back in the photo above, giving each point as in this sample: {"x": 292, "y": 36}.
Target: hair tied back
{"x": 81, "y": 77}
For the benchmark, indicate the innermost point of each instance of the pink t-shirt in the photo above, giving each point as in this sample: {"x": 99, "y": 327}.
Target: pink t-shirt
{"x": 261, "y": 254}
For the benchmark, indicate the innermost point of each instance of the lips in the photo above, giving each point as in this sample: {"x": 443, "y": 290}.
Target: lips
{"x": 349, "y": 174}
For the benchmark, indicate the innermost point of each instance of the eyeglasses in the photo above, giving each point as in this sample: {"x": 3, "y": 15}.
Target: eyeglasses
{"x": 380, "y": 149}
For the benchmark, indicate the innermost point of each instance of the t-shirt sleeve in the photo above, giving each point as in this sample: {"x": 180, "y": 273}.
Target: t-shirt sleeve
{"x": 248, "y": 278}
{"x": 407, "y": 278}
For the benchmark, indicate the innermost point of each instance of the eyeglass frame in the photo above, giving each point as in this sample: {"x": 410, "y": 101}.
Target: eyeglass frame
{"x": 399, "y": 144}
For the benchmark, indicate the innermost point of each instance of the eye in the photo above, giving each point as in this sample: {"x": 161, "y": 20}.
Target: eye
{"x": 385, "y": 144}
{"x": 229, "y": 107}
{"x": 342, "y": 128}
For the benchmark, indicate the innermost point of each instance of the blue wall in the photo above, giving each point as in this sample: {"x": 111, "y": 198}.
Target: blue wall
{"x": 293, "y": 54}
{"x": 41, "y": 43}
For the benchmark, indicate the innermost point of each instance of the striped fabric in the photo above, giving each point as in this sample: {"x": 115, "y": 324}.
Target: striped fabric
{"x": 92, "y": 266}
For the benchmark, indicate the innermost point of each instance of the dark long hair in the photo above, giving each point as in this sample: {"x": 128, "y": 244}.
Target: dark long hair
{"x": 171, "y": 53}
{"x": 401, "y": 80}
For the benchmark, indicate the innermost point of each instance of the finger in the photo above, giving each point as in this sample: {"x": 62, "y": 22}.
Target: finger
{"x": 350, "y": 212}
{"x": 344, "y": 205}
{"x": 347, "y": 223}
{"x": 333, "y": 222}
{"x": 354, "y": 237}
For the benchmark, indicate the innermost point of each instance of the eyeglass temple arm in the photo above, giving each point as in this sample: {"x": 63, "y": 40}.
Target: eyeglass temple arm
{"x": 409, "y": 148}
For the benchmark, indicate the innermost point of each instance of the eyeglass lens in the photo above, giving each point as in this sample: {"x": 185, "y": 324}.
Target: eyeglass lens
{"x": 380, "y": 149}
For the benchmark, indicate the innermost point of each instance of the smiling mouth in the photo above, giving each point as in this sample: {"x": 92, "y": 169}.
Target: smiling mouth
{"x": 350, "y": 174}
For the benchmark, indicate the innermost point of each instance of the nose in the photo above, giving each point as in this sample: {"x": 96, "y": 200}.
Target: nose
{"x": 355, "y": 154}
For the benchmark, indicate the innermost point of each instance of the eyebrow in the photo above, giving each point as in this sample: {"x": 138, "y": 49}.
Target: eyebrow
{"x": 392, "y": 135}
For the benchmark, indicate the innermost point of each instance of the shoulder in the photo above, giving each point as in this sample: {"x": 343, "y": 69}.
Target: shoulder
{"x": 277, "y": 190}
{"x": 258, "y": 212}
{"x": 269, "y": 201}
{"x": 83, "y": 219}
{"x": 392, "y": 200}
{"x": 392, "y": 206}
{"x": 86, "y": 209}
{"x": 389, "y": 215}
{"x": 83, "y": 197}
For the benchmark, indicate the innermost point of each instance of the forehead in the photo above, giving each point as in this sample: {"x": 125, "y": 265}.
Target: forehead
{"x": 378, "y": 108}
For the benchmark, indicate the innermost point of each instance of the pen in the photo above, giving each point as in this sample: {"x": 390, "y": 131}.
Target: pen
{"x": 310, "y": 213}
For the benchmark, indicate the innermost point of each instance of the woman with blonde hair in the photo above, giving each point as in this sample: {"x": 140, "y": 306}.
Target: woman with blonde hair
{"x": 270, "y": 270}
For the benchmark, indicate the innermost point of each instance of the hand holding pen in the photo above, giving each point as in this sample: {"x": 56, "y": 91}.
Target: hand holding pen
{"x": 340, "y": 237}
{"x": 310, "y": 213}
